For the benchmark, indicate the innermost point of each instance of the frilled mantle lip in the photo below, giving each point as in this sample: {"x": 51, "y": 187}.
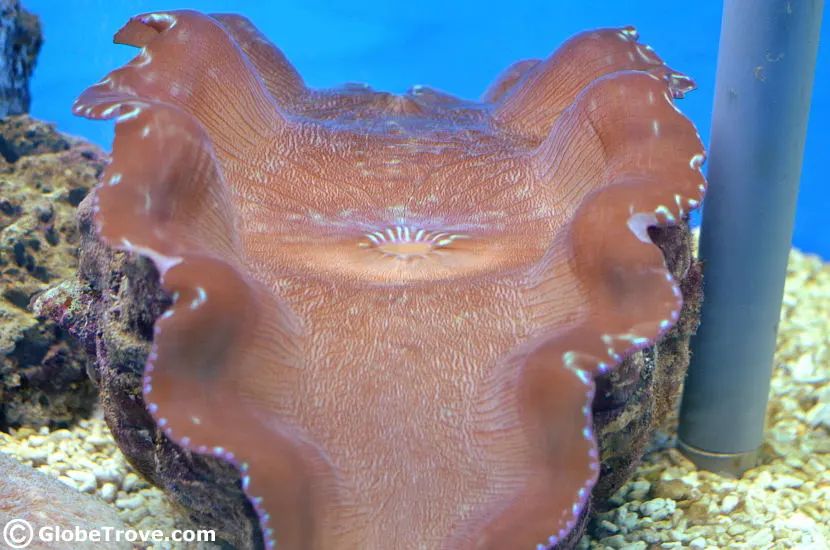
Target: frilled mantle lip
{"x": 337, "y": 256}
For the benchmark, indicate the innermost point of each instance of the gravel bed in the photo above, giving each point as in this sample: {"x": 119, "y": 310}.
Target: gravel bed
{"x": 782, "y": 503}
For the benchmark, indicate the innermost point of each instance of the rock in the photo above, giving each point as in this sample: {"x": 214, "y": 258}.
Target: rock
{"x": 23, "y": 137}
{"x": 27, "y": 495}
{"x": 42, "y": 373}
{"x": 20, "y": 41}
{"x": 43, "y": 380}
{"x": 637, "y": 397}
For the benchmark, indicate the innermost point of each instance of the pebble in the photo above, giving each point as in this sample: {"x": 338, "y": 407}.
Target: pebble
{"x": 108, "y": 492}
{"x": 98, "y": 441}
{"x": 760, "y": 539}
{"x": 730, "y": 502}
{"x": 615, "y": 541}
{"x": 130, "y": 502}
{"x": 60, "y": 435}
{"x": 131, "y": 482}
{"x": 626, "y": 519}
{"x": 638, "y": 490}
{"x": 806, "y": 371}
{"x": 814, "y": 467}
{"x": 38, "y": 454}
{"x": 608, "y": 526}
{"x": 68, "y": 481}
{"x": 650, "y": 536}
{"x": 658, "y": 509}
{"x": 819, "y": 415}
{"x": 737, "y": 529}
{"x": 786, "y": 481}
{"x": 36, "y": 440}
{"x": 86, "y": 481}
{"x": 57, "y": 457}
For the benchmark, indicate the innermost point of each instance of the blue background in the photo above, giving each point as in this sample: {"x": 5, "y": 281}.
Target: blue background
{"x": 458, "y": 46}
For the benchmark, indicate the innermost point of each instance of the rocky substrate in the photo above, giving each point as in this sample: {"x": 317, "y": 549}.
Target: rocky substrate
{"x": 783, "y": 503}
{"x": 44, "y": 175}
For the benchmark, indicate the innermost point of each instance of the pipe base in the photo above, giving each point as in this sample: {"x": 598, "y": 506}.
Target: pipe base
{"x": 729, "y": 464}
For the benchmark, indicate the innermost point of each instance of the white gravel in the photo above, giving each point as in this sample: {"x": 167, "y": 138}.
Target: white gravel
{"x": 784, "y": 502}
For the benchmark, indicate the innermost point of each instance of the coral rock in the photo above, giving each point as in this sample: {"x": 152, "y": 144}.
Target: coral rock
{"x": 43, "y": 377}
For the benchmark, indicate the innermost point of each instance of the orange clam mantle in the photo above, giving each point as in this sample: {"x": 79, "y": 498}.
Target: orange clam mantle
{"x": 389, "y": 309}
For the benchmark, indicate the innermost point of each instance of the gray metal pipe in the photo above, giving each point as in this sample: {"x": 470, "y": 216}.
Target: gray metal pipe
{"x": 766, "y": 66}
